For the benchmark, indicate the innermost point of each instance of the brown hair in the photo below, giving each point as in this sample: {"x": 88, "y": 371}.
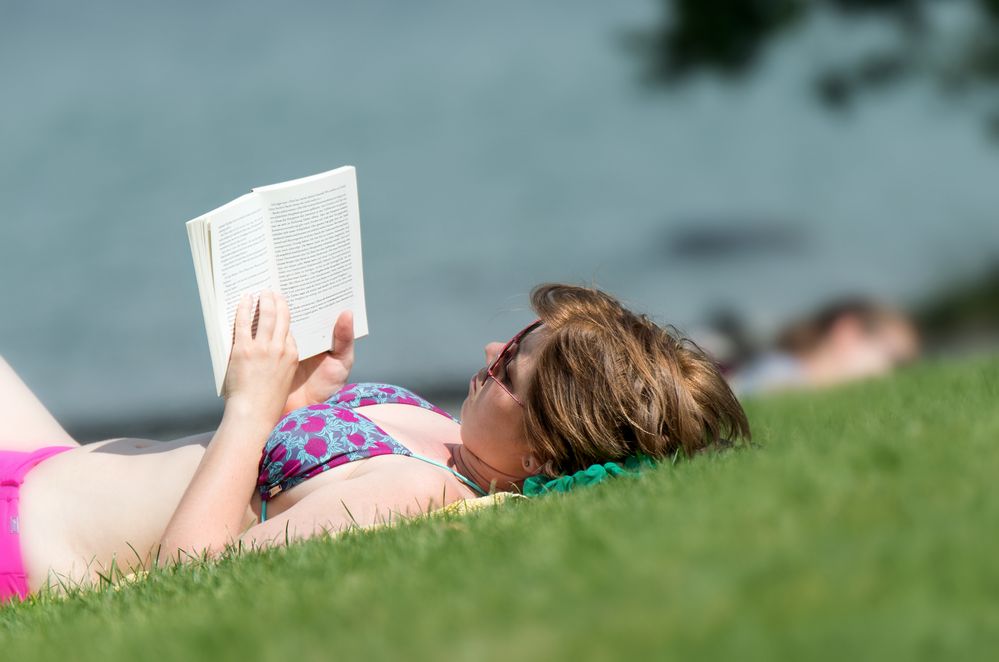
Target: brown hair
{"x": 609, "y": 383}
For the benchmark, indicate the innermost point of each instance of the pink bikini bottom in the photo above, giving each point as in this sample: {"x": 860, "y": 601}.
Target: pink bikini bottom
{"x": 14, "y": 466}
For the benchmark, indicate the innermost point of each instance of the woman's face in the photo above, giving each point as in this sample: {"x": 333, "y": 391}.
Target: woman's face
{"x": 492, "y": 422}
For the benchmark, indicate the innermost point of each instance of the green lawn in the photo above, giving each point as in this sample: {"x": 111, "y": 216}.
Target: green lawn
{"x": 865, "y": 525}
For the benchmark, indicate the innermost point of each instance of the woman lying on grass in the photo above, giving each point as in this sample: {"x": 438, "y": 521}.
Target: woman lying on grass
{"x": 588, "y": 382}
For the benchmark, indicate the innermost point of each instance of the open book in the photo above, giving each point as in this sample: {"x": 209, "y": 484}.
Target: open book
{"x": 301, "y": 238}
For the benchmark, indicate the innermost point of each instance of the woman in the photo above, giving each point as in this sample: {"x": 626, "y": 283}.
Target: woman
{"x": 588, "y": 382}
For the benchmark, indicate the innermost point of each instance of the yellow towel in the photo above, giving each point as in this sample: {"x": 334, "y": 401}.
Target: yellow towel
{"x": 466, "y": 506}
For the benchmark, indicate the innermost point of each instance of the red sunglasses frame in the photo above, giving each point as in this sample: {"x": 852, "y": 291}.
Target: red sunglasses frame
{"x": 506, "y": 356}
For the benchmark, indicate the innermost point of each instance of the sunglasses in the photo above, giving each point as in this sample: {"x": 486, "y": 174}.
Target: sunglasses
{"x": 497, "y": 369}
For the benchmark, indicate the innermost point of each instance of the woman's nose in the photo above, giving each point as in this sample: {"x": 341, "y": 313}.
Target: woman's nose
{"x": 492, "y": 351}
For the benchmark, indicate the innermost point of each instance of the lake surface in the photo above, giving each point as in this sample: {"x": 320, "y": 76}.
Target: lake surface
{"x": 497, "y": 145}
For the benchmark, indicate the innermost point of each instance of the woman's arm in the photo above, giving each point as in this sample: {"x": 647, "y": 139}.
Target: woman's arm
{"x": 261, "y": 367}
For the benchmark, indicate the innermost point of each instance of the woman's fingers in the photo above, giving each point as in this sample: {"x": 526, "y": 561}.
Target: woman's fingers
{"x": 265, "y": 324}
{"x": 270, "y": 323}
{"x": 282, "y": 320}
{"x": 244, "y": 315}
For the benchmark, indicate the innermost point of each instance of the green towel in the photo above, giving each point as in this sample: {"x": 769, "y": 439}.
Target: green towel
{"x": 595, "y": 473}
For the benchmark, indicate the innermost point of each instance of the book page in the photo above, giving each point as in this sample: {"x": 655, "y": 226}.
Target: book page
{"x": 315, "y": 230}
{"x": 241, "y": 260}
{"x": 200, "y": 239}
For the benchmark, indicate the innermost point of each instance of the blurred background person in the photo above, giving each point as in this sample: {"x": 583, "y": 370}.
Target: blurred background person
{"x": 844, "y": 341}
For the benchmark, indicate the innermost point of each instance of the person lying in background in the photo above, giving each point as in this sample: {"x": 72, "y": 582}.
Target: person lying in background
{"x": 845, "y": 341}
{"x": 301, "y": 452}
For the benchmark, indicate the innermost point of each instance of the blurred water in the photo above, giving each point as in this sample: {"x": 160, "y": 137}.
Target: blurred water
{"x": 497, "y": 145}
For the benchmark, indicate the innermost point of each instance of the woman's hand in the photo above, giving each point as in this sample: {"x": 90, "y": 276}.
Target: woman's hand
{"x": 261, "y": 365}
{"x": 211, "y": 511}
{"x": 318, "y": 377}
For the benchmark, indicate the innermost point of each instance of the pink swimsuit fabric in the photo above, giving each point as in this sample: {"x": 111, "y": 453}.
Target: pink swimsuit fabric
{"x": 14, "y": 466}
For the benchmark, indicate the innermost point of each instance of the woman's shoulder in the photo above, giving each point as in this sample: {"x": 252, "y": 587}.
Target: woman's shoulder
{"x": 363, "y": 394}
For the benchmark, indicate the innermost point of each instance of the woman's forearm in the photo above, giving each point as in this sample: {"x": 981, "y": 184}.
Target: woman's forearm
{"x": 258, "y": 379}
{"x": 211, "y": 512}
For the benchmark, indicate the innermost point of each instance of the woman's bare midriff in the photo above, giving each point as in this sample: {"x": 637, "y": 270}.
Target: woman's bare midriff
{"x": 110, "y": 501}
{"x": 85, "y": 508}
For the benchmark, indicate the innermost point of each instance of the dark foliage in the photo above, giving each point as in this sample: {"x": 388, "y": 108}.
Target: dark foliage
{"x": 728, "y": 37}
{"x": 963, "y": 311}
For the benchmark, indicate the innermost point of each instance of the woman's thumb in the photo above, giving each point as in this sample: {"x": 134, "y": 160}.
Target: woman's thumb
{"x": 343, "y": 333}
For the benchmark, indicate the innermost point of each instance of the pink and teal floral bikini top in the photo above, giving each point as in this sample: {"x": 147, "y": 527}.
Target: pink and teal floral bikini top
{"x": 313, "y": 439}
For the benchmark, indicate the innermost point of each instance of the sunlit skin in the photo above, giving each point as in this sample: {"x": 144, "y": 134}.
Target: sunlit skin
{"x": 132, "y": 500}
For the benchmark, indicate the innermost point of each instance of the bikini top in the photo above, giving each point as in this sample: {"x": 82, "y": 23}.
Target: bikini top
{"x": 313, "y": 439}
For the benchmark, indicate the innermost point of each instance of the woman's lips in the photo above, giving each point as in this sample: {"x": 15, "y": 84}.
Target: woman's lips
{"x": 475, "y": 384}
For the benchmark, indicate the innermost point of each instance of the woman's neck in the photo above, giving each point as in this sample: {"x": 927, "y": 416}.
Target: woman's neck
{"x": 487, "y": 477}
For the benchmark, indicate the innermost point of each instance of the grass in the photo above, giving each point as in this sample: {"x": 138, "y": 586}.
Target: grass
{"x": 865, "y": 526}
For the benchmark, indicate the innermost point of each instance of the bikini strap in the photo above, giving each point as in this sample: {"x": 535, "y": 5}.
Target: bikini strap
{"x": 457, "y": 475}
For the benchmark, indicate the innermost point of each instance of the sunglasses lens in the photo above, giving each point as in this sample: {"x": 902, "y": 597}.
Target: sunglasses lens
{"x": 498, "y": 368}
{"x": 502, "y": 361}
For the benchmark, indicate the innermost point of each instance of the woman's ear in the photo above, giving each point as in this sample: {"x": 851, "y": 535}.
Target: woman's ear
{"x": 533, "y": 466}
